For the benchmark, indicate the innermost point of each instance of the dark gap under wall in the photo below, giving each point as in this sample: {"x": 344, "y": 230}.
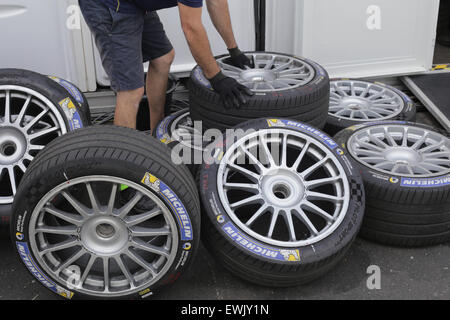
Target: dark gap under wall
{"x": 442, "y": 50}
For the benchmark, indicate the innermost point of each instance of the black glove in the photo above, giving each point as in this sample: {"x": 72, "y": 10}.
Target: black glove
{"x": 238, "y": 59}
{"x": 231, "y": 92}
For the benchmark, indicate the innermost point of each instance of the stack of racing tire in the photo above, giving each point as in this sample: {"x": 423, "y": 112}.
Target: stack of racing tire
{"x": 284, "y": 86}
{"x": 404, "y": 166}
{"x": 281, "y": 202}
{"x": 108, "y": 212}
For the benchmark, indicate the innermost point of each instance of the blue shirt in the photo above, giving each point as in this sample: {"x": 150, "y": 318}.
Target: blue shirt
{"x": 149, "y": 5}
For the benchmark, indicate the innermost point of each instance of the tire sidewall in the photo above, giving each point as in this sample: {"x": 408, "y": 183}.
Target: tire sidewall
{"x": 340, "y": 238}
{"x": 164, "y": 135}
{"x": 162, "y": 132}
{"x": 75, "y": 93}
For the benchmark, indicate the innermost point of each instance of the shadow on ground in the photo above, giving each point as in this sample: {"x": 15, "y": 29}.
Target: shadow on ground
{"x": 406, "y": 274}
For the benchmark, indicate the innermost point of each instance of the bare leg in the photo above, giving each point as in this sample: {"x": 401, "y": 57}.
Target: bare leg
{"x": 127, "y": 107}
{"x": 158, "y": 73}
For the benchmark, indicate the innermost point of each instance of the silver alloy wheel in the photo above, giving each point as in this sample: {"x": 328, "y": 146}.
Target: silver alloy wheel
{"x": 363, "y": 101}
{"x": 271, "y": 72}
{"x": 115, "y": 246}
{"x": 304, "y": 184}
{"x": 403, "y": 150}
{"x": 28, "y": 122}
{"x": 182, "y": 130}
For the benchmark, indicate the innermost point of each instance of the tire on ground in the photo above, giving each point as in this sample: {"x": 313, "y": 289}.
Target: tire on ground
{"x": 404, "y": 210}
{"x": 341, "y": 89}
{"x": 307, "y": 103}
{"x": 247, "y": 251}
{"x": 177, "y": 131}
{"x": 145, "y": 209}
{"x": 33, "y": 100}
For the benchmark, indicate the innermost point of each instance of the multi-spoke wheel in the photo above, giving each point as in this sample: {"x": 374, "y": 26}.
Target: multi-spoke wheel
{"x": 282, "y": 194}
{"x": 405, "y": 150}
{"x": 284, "y": 85}
{"x": 29, "y": 122}
{"x": 406, "y": 171}
{"x": 187, "y": 141}
{"x": 353, "y": 102}
{"x": 118, "y": 241}
{"x": 102, "y": 225}
{"x": 179, "y": 127}
{"x": 277, "y": 199}
{"x": 31, "y": 116}
{"x": 271, "y": 72}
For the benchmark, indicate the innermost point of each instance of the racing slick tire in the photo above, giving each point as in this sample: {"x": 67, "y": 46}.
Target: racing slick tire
{"x": 406, "y": 172}
{"x": 178, "y": 132}
{"x": 103, "y": 213}
{"x": 284, "y": 86}
{"x": 285, "y": 221}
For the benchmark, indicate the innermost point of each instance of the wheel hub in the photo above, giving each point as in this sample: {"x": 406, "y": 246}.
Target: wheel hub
{"x": 282, "y": 188}
{"x": 104, "y": 235}
{"x": 105, "y": 230}
{"x": 8, "y": 148}
{"x": 356, "y": 104}
{"x": 403, "y": 156}
{"x": 256, "y": 75}
{"x": 13, "y": 145}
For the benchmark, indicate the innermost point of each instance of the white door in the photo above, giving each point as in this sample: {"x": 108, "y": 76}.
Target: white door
{"x": 356, "y": 38}
{"x": 35, "y": 35}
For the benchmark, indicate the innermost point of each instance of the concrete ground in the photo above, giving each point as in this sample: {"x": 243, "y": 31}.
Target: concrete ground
{"x": 405, "y": 274}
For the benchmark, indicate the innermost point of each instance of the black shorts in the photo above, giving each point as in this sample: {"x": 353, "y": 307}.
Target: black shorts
{"x": 125, "y": 41}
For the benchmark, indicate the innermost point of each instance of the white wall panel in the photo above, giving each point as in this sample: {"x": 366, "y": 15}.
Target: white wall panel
{"x": 336, "y": 34}
{"x": 34, "y": 36}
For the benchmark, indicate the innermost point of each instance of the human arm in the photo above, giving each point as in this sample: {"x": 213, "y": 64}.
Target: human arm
{"x": 220, "y": 16}
{"x": 197, "y": 38}
{"x": 231, "y": 92}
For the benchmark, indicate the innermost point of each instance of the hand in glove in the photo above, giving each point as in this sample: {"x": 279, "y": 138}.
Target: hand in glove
{"x": 239, "y": 59}
{"x": 232, "y": 93}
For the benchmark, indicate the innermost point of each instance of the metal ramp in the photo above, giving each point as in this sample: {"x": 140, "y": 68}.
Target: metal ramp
{"x": 433, "y": 91}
